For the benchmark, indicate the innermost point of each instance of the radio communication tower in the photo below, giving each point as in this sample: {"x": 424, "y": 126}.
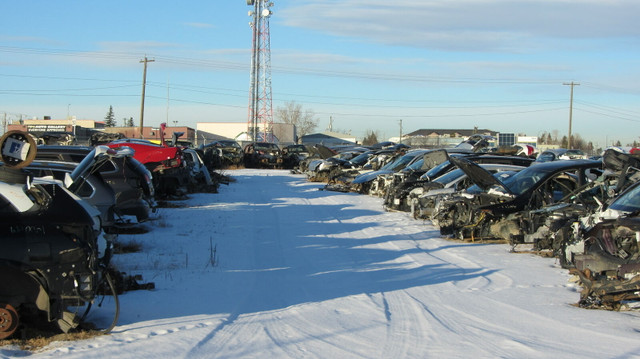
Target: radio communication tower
{"x": 260, "y": 102}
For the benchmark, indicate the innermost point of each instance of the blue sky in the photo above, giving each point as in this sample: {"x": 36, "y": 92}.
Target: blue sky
{"x": 497, "y": 64}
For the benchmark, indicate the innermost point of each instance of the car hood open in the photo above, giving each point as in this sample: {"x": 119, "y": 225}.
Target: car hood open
{"x": 478, "y": 175}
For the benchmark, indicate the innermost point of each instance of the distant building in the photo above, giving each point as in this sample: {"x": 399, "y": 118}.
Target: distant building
{"x": 82, "y": 130}
{"x": 328, "y": 139}
{"x": 440, "y": 138}
{"x": 190, "y": 136}
{"x": 451, "y": 137}
{"x": 285, "y": 134}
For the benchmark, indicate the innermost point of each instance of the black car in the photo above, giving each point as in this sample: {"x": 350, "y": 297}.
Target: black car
{"x": 262, "y": 154}
{"x": 482, "y": 210}
{"x": 434, "y": 164}
{"x": 131, "y": 180}
{"x": 221, "y": 154}
{"x": 55, "y": 253}
{"x": 293, "y": 154}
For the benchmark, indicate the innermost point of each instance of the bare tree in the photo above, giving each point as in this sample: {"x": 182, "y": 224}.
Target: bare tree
{"x": 292, "y": 113}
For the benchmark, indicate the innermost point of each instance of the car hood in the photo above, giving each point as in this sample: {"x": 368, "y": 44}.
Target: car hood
{"x": 369, "y": 176}
{"x": 433, "y": 158}
{"x": 478, "y": 175}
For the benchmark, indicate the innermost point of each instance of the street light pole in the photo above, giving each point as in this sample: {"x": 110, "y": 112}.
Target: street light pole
{"x": 572, "y": 84}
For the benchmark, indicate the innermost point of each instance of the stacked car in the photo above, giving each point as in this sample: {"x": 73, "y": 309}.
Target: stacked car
{"x": 582, "y": 211}
{"x": 62, "y": 210}
{"x": 55, "y": 251}
{"x": 262, "y": 155}
{"x": 221, "y": 154}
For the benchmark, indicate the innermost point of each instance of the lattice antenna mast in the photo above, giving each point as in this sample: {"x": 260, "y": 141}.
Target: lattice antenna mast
{"x": 260, "y": 100}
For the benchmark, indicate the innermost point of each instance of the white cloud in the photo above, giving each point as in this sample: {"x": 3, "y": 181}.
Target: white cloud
{"x": 467, "y": 25}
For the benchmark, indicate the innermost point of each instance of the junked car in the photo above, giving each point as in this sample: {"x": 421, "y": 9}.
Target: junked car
{"x": 200, "y": 176}
{"x": 603, "y": 250}
{"x": 422, "y": 200}
{"x": 560, "y": 154}
{"x": 322, "y": 170}
{"x": 293, "y": 154}
{"x": 484, "y": 213}
{"x": 262, "y": 154}
{"x": 221, "y": 154}
{"x": 131, "y": 180}
{"x": 435, "y": 164}
{"x": 54, "y": 255}
{"x": 368, "y": 182}
{"x": 166, "y": 163}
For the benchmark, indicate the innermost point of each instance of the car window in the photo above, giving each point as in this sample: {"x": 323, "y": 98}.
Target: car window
{"x": 628, "y": 202}
{"x": 546, "y": 157}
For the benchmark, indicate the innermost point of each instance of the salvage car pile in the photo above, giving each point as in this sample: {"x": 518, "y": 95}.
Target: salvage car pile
{"x": 582, "y": 211}
{"x": 62, "y": 210}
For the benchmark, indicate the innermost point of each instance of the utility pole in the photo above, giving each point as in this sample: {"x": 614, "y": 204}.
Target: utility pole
{"x": 144, "y": 85}
{"x": 572, "y": 84}
{"x": 400, "y": 141}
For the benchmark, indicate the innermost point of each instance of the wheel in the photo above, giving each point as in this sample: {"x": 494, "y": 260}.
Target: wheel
{"x": 8, "y": 320}
{"x": 12, "y": 145}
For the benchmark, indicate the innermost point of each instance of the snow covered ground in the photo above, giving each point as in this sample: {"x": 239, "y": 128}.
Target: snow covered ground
{"x": 303, "y": 273}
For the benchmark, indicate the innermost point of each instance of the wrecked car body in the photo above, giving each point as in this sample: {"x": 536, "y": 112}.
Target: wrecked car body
{"x": 131, "y": 181}
{"x": 372, "y": 183}
{"x": 221, "y": 154}
{"x": 54, "y": 250}
{"x": 292, "y": 155}
{"x": 50, "y": 259}
{"x": 316, "y": 152}
{"x": 322, "y": 170}
{"x": 262, "y": 155}
{"x": 407, "y": 187}
{"x": 547, "y": 228}
{"x": 423, "y": 199}
{"x": 200, "y": 176}
{"x": 603, "y": 250}
{"x": 482, "y": 213}
{"x": 166, "y": 164}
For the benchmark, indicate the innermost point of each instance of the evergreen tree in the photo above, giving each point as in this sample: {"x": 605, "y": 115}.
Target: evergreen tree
{"x": 110, "y": 118}
{"x": 564, "y": 142}
{"x": 370, "y": 139}
{"x": 128, "y": 122}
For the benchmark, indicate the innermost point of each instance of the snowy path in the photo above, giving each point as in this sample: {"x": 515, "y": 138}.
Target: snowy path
{"x": 303, "y": 273}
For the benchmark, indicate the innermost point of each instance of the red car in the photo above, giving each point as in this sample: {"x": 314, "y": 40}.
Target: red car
{"x": 165, "y": 163}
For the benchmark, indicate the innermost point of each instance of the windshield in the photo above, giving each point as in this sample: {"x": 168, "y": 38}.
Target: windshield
{"x": 417, "y": 165}
{"x": 525, "y": 179}
{"x": 266, "y": 146}
{"x": 449, "y": 176}
{"x": 403, "y": 162}
{"x": 436, "y": 170}
{"x": 399, "y": 163}
{"x": 229, "y": 144}
{"x": 389, "y": 166}
{"x": 502, "y": 176}
{"x": 628, "y": 202}
{"x": 361, "y": 159}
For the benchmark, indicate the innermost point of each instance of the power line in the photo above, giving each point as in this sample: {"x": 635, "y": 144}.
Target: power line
{"x": 280, "y": 69}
